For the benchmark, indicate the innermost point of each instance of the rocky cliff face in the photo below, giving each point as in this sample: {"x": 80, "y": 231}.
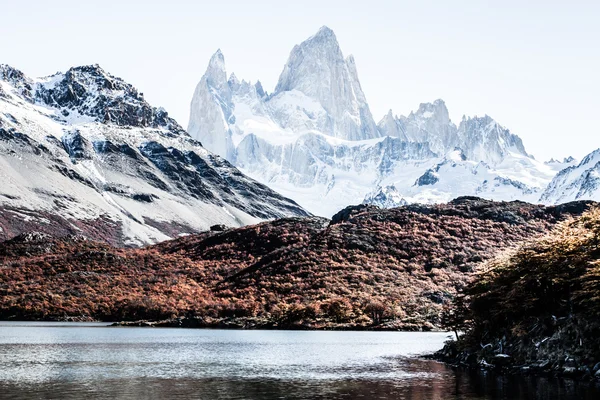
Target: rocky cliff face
{"x": 83, "y": 152}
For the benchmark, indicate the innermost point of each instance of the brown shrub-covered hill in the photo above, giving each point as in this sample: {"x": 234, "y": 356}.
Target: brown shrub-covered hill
{"x": 366, "y": 268}
{"x": 536, "y": 308}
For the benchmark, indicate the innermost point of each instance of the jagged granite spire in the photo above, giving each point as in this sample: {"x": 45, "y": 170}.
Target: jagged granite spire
{"x": 317, "y": 69}
{"x": 211, "y": 109}
{"x": 480, "y": 138}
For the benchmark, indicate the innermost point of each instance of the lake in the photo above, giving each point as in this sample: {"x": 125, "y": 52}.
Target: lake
{"x": 93, "y": 361}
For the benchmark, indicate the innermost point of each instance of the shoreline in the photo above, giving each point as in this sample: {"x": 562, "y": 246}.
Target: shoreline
{"x": 504, "y": 364}
{"x": 237, "y": 324}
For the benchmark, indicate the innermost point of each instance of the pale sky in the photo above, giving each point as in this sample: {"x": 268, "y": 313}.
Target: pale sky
{"x": 534, "y": 66}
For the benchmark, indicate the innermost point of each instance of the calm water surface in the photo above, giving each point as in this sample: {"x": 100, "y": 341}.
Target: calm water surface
{"x": 74, "y": 361}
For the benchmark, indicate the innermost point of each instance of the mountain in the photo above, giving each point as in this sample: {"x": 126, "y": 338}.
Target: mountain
{"x": 385, "y": 197}
{"x": 366, "y": 268}
{"x": 82, "y": 152}
{"x": 580, "y": 181}
{"x": 314, "y": 139}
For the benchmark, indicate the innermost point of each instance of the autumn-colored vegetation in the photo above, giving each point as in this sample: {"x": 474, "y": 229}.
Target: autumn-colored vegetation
{"x": 367, "y": 268}
{"x": 539, "y": 305}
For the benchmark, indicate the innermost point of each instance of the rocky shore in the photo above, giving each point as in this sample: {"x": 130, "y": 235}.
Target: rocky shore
{"x": 487, "y": 359}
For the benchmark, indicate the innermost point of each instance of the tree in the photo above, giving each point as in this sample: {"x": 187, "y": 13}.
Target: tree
{"x": 376, "y": 310}
{"x": 456, "y": 315}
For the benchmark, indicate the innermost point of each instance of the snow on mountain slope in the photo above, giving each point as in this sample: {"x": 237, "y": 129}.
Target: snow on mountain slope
{"x": 517, "y": 178}
{"x": 314, "y": 139}
{"x": 576, "y": 182}
{"x": 83, "y": 152}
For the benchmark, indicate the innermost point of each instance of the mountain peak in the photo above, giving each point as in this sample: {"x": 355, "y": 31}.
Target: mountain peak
{"x": 218, "y": 55}
{"x": 436, "y": 106}
{"x": 436, "y": 110}
{"x": 317, "y": 68}
{"x": 17, "y": 79}
{"x": 325, "y": 32}
{"x": 90, "y": 91}
{"x": 94, "y": 69}
{"x": 7, "y": 72}
{"x": 216, "y": 74}
{"x": 233, "y": 80}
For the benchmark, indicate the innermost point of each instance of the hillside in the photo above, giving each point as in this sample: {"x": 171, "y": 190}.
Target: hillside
{"x": 366, "y": 268}
{"x": 537, "y": 307}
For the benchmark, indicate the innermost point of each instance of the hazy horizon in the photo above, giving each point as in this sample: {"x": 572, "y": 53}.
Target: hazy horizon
{"x": 530, "y": 67}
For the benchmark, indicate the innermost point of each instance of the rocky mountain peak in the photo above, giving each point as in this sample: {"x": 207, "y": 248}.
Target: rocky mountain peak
{"x": 436, "y": 110}
{"x": 211, "y": 109}
{"x": 90, "y": 91}
{"x": 485, "y": 139}
{"x": 317, "y": 69}
{"x": 216, "y": 74}
{"x": 576, "y": 181}
{"x": 259, "y": 89}
{"x": 17, "y": 79}
{"x": 326, "y": 38}
{"x": 318, "y": 57}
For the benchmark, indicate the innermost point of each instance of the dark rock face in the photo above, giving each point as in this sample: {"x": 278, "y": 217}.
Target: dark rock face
{"x": 77, "y": 146}
{"x": 346, "y": 213}
{"x": 90, "y": 91}
{"x": 17, "y": 79}
{"x": 428, "y": 178}
{"x": 169, "y": 161}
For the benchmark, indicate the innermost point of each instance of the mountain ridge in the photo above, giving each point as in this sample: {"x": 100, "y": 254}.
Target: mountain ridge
{"x": 291, "y": 139}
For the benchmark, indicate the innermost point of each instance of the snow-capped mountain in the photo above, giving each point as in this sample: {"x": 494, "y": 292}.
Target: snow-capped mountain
{"x": 83, "y": 152}
{"x": 480, "y": 138}
{"x": 385, "y": 197}
{"x": 314, "y": 139}
{"x": 576, "y": 182}
{"x": 316, "y": 73}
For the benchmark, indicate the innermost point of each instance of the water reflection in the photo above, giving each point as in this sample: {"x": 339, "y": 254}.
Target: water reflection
{"x": 459, "y": 386}
{"x": 74, "y": 362}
